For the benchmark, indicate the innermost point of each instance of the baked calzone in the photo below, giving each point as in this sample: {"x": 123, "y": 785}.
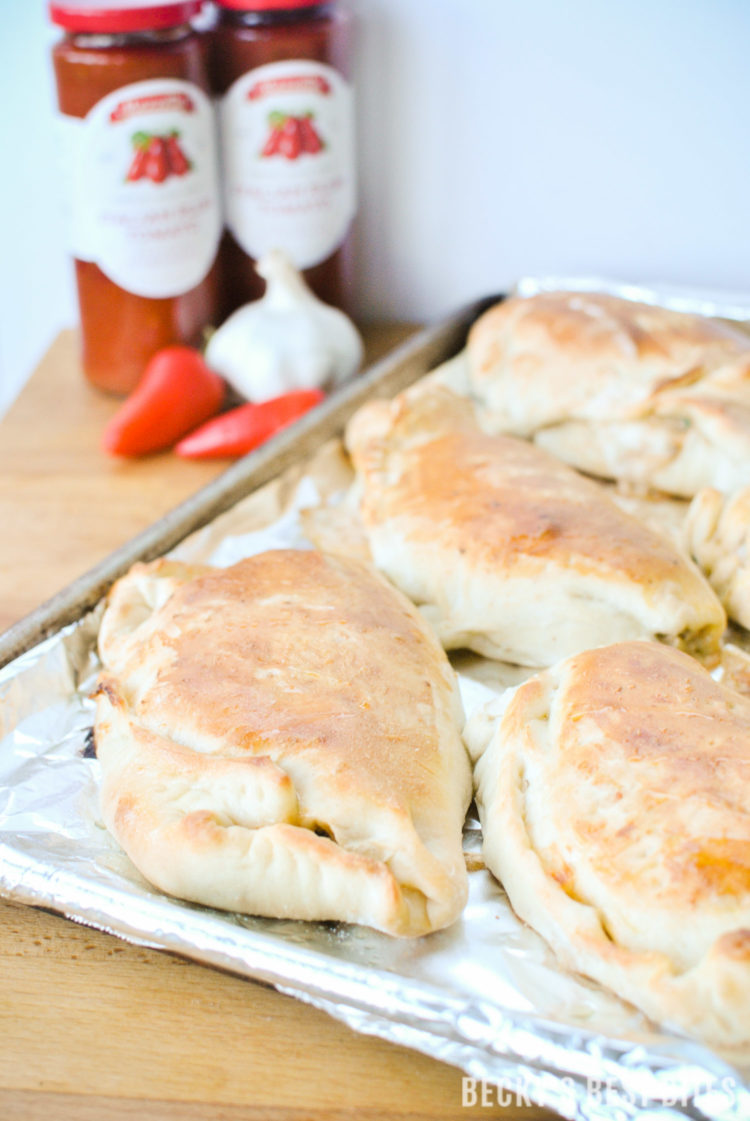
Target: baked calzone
{"x": 282, "y": 738}
{"x": 717, "y": 534}
{"x": 614, "y": 798}
{"x": 618, "y": 389}
{"x": 508, "y": 551}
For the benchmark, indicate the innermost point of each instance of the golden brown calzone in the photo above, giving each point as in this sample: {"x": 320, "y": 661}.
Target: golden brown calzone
{"x": 508, "y": 551}
{"x": 717, "y": 534}
{"x": 614, "y": 797}
{"x": 618, "y": 389}
{"x": 282, "y": 738}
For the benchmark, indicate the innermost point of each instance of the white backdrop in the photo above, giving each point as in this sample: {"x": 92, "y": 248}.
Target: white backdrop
{"x": 496, "y": 138}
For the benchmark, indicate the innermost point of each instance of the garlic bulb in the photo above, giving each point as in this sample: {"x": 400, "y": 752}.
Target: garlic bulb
{"x": 289, "y": 339}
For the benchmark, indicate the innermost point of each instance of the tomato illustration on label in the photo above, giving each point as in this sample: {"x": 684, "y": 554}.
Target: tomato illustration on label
{"x": 157, "y": 167}
{"x": 311, "y": 141}
{"x": 137, "y": 168}
{"x": 290, "y": 144}
{"x": 156, "y": 157}
{"x": 291, "y": 136}
{"x": 275, "y": 124}
{"x": 179, "y": 164}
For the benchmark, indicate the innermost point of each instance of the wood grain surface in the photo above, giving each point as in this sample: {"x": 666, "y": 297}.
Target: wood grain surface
{"x": 93, "y": 1028}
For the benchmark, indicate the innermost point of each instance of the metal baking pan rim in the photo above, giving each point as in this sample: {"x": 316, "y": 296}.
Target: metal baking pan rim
{"x": 424, "y": 350}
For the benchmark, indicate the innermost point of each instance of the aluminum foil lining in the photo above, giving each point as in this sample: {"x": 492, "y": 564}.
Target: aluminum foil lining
{"x": 723, "y": 305}
{"x": 486, "y": 995}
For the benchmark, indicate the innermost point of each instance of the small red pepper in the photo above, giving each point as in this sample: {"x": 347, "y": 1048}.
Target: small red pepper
{"x": 245, "y": 428}
{"x": 177, "y": 392}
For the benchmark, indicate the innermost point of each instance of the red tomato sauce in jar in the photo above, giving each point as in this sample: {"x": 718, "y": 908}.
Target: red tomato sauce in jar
{"x": 140, "y": 160}
{"x": 281, "y": 69}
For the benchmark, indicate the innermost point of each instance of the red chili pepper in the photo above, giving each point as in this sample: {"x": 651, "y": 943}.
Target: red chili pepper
{"x": 311, "y": 142}
{"x": 242, "y": 429}
{"x": 176, "y": 158}
{"x": 290, "y": 143}
{"x": 157, "y": 164}
{"x": 177, "y": 392}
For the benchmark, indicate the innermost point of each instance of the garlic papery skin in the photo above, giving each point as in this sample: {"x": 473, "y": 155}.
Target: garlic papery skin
{"x": 288, "y": 339}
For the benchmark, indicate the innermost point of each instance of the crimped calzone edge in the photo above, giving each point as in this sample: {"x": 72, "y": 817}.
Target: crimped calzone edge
{"x": 717, "y": 534}
{"x": 619, "y": 389}
{"x": 282, "y": 738}
{"x": 508, "y": 551}
{"x": 613, "y": 791}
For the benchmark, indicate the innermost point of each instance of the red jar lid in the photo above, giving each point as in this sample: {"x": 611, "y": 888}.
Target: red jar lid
{"x": 265, "y": 5}
{"x": 113, "y": 16}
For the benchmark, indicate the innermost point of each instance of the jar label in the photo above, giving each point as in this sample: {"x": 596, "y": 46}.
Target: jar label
{"x": 142, "y": 186}
{"x": 287, "y": 136}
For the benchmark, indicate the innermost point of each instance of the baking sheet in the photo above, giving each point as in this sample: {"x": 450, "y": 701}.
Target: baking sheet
{"x": 485, "y": 995}
{"x": 695, "y": 301}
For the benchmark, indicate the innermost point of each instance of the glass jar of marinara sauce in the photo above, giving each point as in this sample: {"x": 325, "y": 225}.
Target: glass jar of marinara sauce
{"x": 140, "y": 159}
{"x": 281, "y": 71}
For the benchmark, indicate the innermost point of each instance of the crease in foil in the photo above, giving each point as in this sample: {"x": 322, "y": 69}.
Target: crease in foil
{"x": 486, "y": 995}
